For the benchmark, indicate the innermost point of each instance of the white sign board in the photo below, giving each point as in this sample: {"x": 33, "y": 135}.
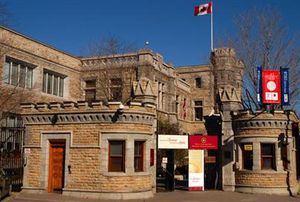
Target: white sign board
{"x": 173, "y": 142}
{"x": 196, "y": 170}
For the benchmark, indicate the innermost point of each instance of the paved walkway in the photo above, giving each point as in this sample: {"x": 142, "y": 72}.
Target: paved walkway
{"x": 182, "y": 196}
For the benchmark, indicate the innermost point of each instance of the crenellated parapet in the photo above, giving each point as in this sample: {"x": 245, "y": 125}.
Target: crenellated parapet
{"x": 263, "y": 123}
{"x": 258, "y": 133}
{"x": 107, "y": 61}
{"x": 143, "y": 57}
{"x": 227, "y": 53}
{"x": 84, "y": 112}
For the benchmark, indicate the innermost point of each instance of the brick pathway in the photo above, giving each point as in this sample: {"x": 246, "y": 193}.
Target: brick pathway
{"x": 182, "y": 196}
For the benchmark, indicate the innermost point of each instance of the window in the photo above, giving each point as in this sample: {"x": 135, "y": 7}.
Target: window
{"x": 198, "y": 110}
{"x": 116, "y": 156}
{"x": 90, "y": 94}
{"x": 177, "y": 104}
{"x": 198, "y": 82}
{"x": 90, "y": 90}
{"x": 116, "y": 89}
{"x": 138, "y": 156}
{"x": 53, "y": 83}
{"x": 267, "y": 156}
{"x": 18, "y": 73}
{"x": 247, "y": 156}
{"x": 161, "y": 96}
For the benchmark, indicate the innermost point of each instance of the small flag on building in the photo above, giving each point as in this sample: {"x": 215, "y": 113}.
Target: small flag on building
{"x": 203, "y": 9}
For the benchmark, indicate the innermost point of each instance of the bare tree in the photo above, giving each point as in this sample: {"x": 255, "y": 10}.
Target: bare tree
{"x": 262, "y": 39}
{"x": 109, "y": 45}
{"x": 113, "y": 70}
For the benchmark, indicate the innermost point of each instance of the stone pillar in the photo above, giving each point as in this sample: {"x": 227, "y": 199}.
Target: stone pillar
{"x": 228, "y": 73}
{"x": 256, "y": 155}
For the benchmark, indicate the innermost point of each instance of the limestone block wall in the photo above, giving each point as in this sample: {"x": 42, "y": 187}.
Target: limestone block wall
{"x": 87, "y": 130}
{"x": 265, "y": 128}
{"x": 42, "y": 57}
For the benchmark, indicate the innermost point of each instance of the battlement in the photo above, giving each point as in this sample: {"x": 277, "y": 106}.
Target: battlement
{"x": 224, "y": 52}
{"x": 82, "y": 111}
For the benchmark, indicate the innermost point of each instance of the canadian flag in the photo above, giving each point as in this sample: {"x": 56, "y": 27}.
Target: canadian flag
{"x": 203, "y": 9}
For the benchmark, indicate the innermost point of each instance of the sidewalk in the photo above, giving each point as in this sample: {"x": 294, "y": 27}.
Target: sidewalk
{"x": 184, "y": 196}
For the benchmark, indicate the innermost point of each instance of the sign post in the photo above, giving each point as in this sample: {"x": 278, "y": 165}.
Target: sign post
{"x": 197, "y": 144}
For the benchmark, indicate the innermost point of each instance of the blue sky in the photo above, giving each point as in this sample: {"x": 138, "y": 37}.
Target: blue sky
{"x": 169, "y": 26}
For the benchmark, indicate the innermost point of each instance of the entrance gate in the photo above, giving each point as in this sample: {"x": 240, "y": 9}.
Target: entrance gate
{"x": 11, "y": 154}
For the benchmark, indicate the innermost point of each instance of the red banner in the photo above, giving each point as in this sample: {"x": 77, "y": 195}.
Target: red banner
{"x": 271, "y": 87}
{"x": 203, "y": 142}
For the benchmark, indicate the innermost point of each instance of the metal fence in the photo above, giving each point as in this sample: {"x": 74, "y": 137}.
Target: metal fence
{"x": 11, "y": 154}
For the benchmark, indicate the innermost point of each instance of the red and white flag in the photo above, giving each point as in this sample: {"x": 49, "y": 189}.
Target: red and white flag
{"x": 203, "y": 9}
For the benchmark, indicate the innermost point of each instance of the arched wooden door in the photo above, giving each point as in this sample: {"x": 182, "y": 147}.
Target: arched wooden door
{"x": 56, "y": 166}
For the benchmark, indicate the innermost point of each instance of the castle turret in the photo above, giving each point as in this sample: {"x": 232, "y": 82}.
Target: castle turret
{"x": 228, "y": 75}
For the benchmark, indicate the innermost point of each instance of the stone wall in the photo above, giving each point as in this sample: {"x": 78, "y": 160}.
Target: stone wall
{"x": 40, "y": 56}
{"x": 265, "y": 128}
{"x": 86, "y": 130}
{"x": 205, "y": 94}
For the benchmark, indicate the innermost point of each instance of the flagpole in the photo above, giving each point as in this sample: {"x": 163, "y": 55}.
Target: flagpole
{"x": 212, "y": 28}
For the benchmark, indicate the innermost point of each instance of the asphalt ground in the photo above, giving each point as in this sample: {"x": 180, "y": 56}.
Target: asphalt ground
{"x": 182, "y": 196}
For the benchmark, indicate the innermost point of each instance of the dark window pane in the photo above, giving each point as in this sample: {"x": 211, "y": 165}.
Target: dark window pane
{"x": 267, "y": 156}
{"x": 14, "y": 76}
{"x": 116, "y": 94}
{"x": 29, "y": 76}
{"x": 116, "y": 156}
{"x": 138, "y": 164}
{"x": 90, "y": 84}
{"x": 267, "y": 149}
{"x": 116, "y": 164}
{"x": 198, "y": 103}
{"x": 61, "y": 87}
{"x": 138, "y": 155}
{"x": 116, "y": 82}
{"x": 45, "y": 82}
{"x": 267, "y": 162}
{"x": 198, "y": 82}
{"x": 49, "y": 84}
{"x": 90, "y": 95}
{"x": 198, "y": 113}
{"x": 55, "y": 85}
{"x": 6, "y": 72}
{"x": 116, "y": 149}
{"x": 247, "y": 156}
{"x": 22, "y": 76}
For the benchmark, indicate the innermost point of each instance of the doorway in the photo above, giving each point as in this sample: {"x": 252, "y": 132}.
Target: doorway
{"x": 56, "y": 165}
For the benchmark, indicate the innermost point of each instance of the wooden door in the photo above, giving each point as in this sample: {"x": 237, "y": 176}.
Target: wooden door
{"x": 56, "y": 166}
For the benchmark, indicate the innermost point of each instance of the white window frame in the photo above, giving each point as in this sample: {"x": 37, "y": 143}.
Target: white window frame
{"x": 8, "y": 76}
{"x": 60, "y": 83}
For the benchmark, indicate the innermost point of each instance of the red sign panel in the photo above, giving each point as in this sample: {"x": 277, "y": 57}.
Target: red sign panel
{"x": 203, "y": 142}
{"x": 271, "y": 87}
{"x": 151, "y": 157}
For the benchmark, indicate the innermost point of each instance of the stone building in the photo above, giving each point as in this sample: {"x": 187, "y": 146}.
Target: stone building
{"x": 94, "y": 119}
{"x": 266, "y": 153}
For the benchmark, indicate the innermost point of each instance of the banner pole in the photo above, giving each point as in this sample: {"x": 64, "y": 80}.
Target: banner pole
{"x": 211, "y": 28}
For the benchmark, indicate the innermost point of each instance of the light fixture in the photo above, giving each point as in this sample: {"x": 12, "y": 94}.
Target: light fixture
{"x": 121, "y": 108}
